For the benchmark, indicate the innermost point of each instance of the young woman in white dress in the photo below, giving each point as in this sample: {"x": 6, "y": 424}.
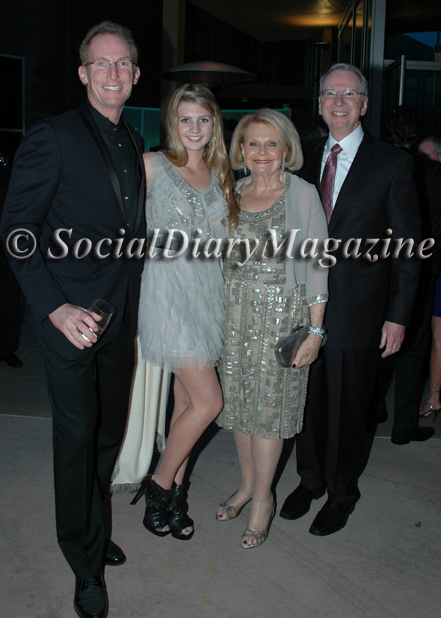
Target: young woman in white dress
{"x": 181, "y": 305}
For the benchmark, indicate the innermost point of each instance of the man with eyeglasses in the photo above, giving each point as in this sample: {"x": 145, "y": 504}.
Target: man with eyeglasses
{"x": 368, "y": 192}
{"x": 80, "y": 175}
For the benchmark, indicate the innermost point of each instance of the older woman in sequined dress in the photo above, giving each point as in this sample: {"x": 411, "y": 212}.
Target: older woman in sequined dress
{"x": 265, "y": 298}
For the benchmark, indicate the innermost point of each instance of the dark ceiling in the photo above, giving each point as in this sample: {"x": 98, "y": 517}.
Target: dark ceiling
{"x": 280, "y": 20}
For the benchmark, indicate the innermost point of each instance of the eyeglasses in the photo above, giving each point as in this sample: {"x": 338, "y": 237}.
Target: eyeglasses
{"x": 349, "y": 93}
{"x": 104, "y": 65}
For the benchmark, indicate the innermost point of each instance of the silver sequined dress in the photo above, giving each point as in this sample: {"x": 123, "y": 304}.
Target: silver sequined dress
{"x": 181, "y": 303}
{"x": 261, "y": 398}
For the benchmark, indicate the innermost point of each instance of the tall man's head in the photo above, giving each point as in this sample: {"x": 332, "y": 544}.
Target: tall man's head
{"x": 431, "y": 148}
{"x": 109, "y": 68}
{"x": 343, "y": 99}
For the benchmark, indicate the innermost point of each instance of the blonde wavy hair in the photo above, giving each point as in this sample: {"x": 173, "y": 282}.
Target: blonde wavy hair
{"x": 287, "y": 133}
{"x": 215, "y": 154}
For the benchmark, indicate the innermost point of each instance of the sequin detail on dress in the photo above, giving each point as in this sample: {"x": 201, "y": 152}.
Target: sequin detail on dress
{"x": 261, "y": 398}
{"x": 181, "y": 302}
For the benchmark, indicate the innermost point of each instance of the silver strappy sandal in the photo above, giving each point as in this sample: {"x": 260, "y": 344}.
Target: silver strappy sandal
{"x": 431, "y": 410}
{"x": 232, "y": 511}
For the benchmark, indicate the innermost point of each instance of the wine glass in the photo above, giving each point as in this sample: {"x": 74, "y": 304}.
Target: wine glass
{"x": 100, "y": 309}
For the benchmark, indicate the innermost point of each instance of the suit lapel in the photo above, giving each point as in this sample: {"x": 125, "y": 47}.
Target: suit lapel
{"x": 141, "y": 192}
{"x": 313, "y": 162}
{"x": 318, "y": 165}
{"x": 105, "y": 154}
{"x": 354, "y": 179}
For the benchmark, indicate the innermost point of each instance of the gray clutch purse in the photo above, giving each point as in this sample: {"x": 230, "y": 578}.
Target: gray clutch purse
{"x": 287, "y": 347}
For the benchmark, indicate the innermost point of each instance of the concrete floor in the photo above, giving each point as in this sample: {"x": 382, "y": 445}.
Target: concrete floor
{"x": 384, "y": 564}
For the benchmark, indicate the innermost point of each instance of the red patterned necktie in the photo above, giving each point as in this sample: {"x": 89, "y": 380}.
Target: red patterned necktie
{"x": 327, "y": 181}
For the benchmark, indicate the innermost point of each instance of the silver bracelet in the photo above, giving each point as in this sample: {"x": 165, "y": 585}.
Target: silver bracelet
{"x": 315, "y": 330}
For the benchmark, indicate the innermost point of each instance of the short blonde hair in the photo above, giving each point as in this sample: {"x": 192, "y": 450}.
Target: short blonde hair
{"x": 287, "y": 133}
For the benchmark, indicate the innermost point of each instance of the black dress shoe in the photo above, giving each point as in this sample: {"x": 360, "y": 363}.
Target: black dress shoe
{"x": 13, "y": 361}
{"x": 299, "y": 501}
{"x": 416, "y": 434}
{"x": 90, "y": 599}
{"x": 331, "y": 518}
{"x": 114, "y": 554}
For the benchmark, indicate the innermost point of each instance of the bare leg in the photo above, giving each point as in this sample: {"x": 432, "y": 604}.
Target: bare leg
{"x": 205, "y": 403}
{"x": 182, "y": 401}
{"x": 198, "y": 400}
{"x": 265, "y": 455}
{"x": 245, "y": 491}
{"x": 433, "y": 398}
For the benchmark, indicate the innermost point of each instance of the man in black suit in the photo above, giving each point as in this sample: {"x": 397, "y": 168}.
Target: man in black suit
{"x": 371, "y": 196}
{"x": 401, "y": 128}
{"x": 75, "y": 200}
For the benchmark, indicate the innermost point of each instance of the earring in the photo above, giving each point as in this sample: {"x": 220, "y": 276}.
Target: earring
{"x": 282, "y": 167}
{"x": 245, "y": 170}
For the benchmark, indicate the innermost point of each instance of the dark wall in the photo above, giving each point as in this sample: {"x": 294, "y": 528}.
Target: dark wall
{"x": 37, "y": 31}
{"x": 209, "y": 38}
{"x": 48, "y": 33}
{"x": 279, "y": 66}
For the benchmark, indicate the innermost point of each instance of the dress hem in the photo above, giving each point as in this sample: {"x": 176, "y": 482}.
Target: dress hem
{"x": 263, "y": 435}
{"x": 176, "y": 365}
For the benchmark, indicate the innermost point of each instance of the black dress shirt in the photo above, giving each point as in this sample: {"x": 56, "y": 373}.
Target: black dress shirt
{"x": 125, "y": 160}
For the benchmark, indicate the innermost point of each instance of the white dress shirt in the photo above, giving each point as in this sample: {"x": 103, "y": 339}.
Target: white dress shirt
{"x": 349, "y": 145}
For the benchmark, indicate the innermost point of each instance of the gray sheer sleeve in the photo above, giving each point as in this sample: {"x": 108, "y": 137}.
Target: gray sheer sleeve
{"x": 305, "y": 215}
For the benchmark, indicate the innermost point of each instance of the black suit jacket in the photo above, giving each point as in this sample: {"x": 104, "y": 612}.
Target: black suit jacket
{"x": 64, "y": 179}
{"x": 378, "y": 193}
